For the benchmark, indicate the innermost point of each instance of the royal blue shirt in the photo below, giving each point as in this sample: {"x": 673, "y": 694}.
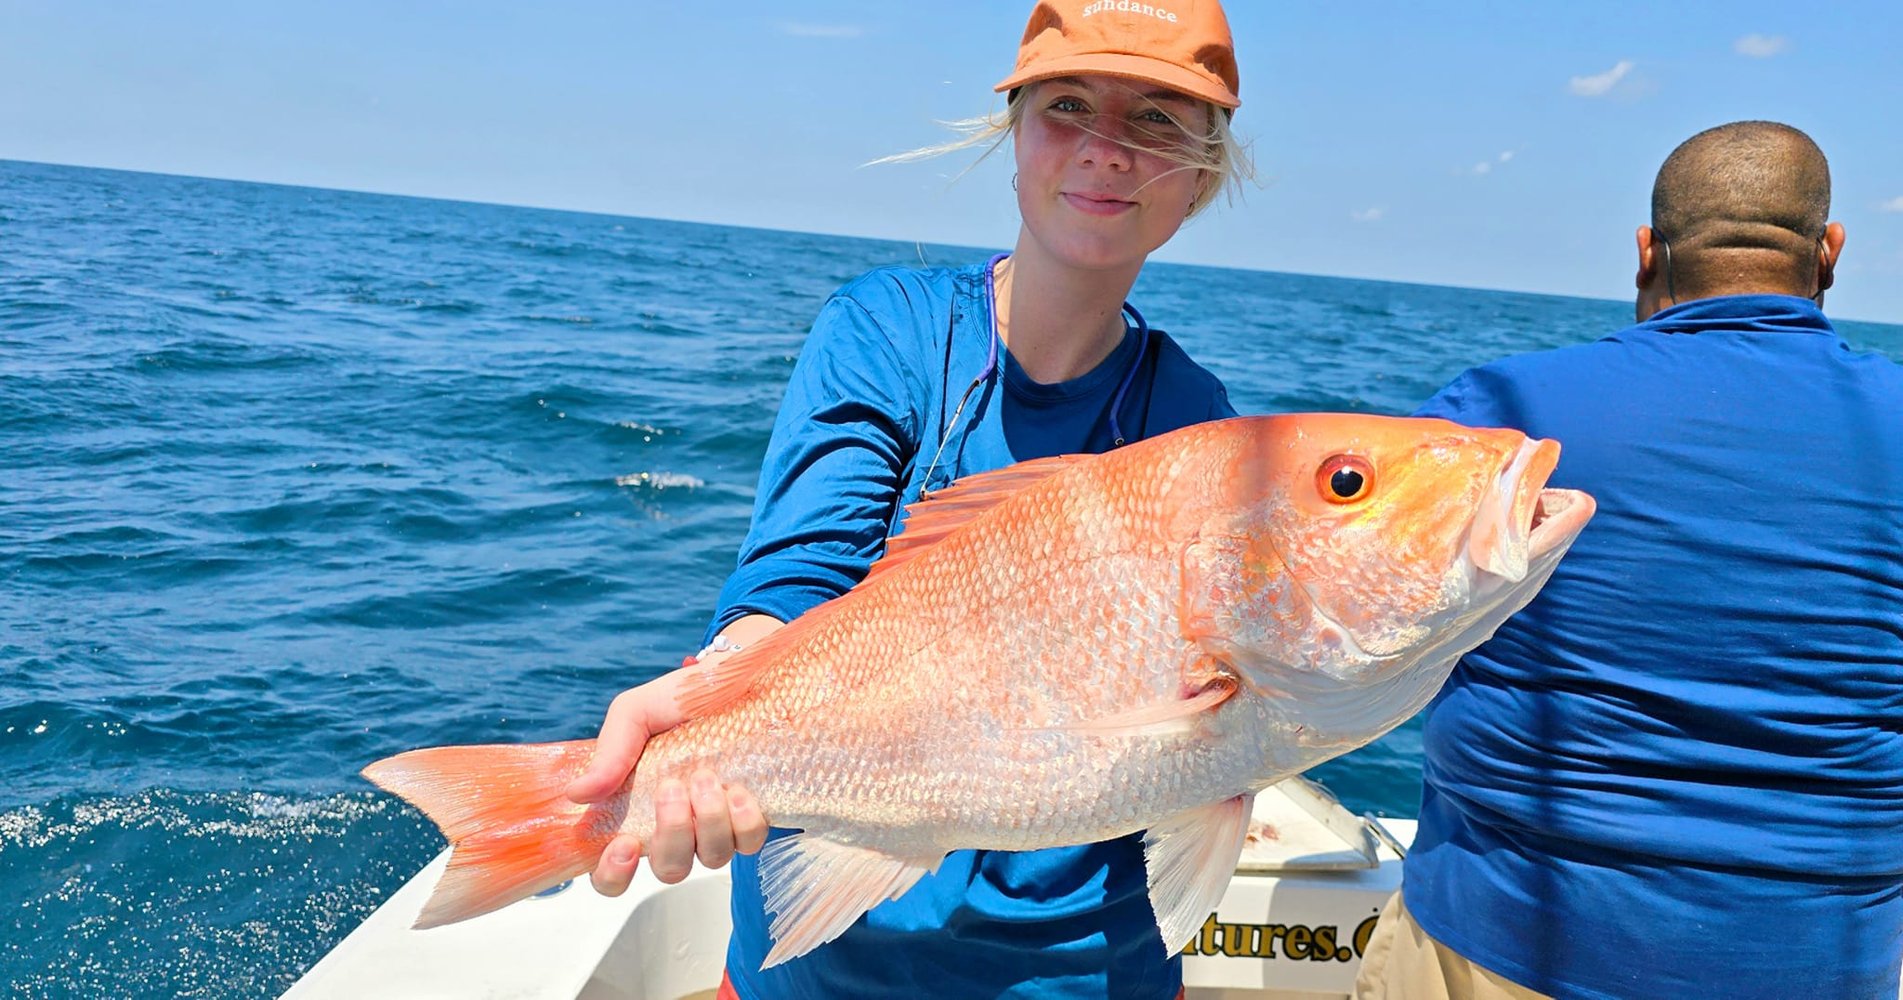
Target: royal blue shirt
{"x": 874, "y": 394}
{"x": 1679, "y": 771}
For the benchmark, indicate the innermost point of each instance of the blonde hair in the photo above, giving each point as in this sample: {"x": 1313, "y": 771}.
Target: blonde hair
{"x": 1222, "y": 159}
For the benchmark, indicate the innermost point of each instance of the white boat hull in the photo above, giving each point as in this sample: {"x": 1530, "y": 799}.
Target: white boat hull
{"x": 1282, "y": 936}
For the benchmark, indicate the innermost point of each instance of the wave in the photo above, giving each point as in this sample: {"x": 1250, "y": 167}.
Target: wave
{"x": 193, "y": 894}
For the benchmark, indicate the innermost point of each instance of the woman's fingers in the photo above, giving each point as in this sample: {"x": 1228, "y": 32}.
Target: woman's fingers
{"x": 699, "y": 818}
{"x": 713, "y": 831}
{"x": 748, "y": 822}
{"x": 616, "y": 868}
{"x": 671, "y": 849}
{"x": 703, "y": 820}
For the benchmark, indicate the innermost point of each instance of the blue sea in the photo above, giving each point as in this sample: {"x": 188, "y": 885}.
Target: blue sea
{"x": 293, "y": 479}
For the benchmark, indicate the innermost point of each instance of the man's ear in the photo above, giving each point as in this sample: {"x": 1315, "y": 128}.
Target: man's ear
{"x": 1829, "y": 250}
{"x": 1648, "y": 258}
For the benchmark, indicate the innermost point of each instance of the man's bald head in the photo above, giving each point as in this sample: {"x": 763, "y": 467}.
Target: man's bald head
{"x": 1743, "y": 207}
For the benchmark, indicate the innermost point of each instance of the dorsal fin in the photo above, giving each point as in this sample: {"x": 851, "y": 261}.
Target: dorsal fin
{"x": 947, "y": 510}
{"x": 713, "y": 687}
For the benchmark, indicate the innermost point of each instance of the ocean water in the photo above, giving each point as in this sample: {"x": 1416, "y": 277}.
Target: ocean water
{"x": 294, "y": 479}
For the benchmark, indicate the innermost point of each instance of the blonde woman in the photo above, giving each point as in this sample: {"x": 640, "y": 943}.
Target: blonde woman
{"x": 1118, "y": 117}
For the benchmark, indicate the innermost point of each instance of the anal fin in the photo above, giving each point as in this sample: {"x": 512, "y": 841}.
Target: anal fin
{"x": 1190, "y": 858}
{"x": 816, "y": 888}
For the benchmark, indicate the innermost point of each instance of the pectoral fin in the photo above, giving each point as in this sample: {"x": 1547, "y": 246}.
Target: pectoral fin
{"x": 1190, "y": 858}
{"x": 1237, "y": 604}
{"x": 815, "y": 889}
{"x": 1169, "y": 718}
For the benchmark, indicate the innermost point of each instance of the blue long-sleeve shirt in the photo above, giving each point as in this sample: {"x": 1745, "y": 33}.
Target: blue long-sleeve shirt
{"x": 1679, "y": 771}
{"x": 875, "y": 392}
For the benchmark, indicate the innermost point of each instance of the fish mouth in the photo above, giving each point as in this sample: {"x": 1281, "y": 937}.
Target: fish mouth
{"x": 1520, "y": 520}
{"x": 1558, "y": 515}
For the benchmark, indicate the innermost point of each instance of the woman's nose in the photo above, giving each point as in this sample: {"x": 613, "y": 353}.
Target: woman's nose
{"x": 1104, "y": 142}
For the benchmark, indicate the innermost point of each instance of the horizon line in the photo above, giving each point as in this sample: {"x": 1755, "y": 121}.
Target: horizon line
{"x": 835, "y": 235}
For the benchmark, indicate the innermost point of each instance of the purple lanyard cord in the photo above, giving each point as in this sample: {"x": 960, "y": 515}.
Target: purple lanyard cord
{"x": 991, "y": 367}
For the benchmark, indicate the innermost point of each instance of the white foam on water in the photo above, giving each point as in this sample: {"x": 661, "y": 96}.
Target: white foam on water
{"x": 660, "y": 480}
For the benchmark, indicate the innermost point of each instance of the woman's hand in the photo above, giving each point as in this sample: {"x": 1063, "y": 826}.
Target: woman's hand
{"x": 699, "y": 818}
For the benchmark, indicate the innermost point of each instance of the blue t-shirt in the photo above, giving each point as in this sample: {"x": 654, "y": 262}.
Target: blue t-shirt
{"x": 1679, "y": 771}
{"x": 875, "y": 393}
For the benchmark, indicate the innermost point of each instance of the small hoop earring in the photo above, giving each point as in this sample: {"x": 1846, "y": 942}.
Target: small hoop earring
{"x": 1014, "y": 182}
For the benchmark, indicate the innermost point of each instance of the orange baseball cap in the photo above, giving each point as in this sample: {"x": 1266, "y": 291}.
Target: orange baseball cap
{"x": 1181, "y": 44}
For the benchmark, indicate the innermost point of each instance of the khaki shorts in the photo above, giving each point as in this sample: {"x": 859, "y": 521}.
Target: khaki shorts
{"x": 1403, "y": 963}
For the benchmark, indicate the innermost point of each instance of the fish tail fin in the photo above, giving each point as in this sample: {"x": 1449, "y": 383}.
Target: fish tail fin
{"x": 511, "y": 829}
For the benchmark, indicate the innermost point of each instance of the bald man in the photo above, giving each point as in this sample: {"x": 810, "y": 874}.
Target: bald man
{"x": 1679, "y": 771}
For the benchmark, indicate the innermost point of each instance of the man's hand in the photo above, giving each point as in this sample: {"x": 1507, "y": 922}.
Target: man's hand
{"x": 700, "y": 818}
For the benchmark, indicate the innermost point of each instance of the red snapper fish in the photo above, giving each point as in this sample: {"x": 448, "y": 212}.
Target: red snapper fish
{"x": 1061, "y": 652}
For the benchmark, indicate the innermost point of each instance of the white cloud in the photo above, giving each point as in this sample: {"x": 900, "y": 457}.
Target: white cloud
{"x": 1599, "y": 84}
{"x": 1485, "y": 167}
{"x": 1373, "y": 214}
{"x": 1760, "y": 46}
{"x": 822, "y": 30}
{"x": 1893, "y": 205}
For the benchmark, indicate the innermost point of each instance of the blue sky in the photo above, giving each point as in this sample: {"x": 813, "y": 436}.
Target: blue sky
{"x": 1483, "y": 144}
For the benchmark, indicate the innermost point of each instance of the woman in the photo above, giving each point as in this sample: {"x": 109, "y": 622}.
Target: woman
{"x": 912, "y": 378}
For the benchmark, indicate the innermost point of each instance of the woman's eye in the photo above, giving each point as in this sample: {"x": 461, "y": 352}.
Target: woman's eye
{"x": 1068, "y": 105}
{"x": 1157, "y": 129}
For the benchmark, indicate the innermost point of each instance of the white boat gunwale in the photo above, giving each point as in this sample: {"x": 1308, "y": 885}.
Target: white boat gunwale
{"x": 1276, "y": 935}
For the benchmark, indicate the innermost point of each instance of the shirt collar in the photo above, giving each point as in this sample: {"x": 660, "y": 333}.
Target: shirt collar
{"x": 1741, "y": 313}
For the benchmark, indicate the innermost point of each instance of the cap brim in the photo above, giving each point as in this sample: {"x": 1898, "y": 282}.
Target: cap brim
{"x": 1129, "y": 67}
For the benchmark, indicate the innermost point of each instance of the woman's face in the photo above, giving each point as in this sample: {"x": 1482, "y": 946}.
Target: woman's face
{"x": 1098, "y": 186}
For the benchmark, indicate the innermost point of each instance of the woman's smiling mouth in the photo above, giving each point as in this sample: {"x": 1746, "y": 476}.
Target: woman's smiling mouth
{"x": 1097, "y": 204}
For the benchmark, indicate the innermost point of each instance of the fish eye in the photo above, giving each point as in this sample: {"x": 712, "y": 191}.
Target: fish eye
{"x": 1345, "y": 479}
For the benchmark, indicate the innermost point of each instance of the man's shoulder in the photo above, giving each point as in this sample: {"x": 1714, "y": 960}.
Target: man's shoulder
{"x": 1873, "y": 363}
{"x": 1573, "y": 362}
{"x": 1500, "y": 392}
{"x": 1715, "y": 351}
{"x": 1575, "y": 358}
